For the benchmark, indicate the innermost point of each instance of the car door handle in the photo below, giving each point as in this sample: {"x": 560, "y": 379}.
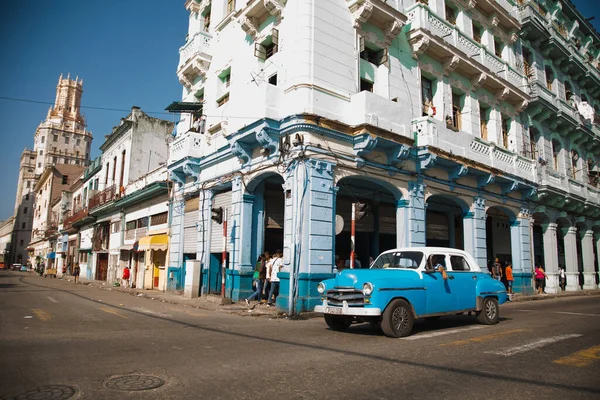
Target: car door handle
{"x": 474, "y": 277}
{"x": 450, "y": 277}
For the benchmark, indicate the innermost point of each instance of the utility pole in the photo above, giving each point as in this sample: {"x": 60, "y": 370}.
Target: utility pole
{"x": 353, "y": 236}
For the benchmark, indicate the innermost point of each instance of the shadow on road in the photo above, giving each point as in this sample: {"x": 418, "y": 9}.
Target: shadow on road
{"x": 497, "y": 376}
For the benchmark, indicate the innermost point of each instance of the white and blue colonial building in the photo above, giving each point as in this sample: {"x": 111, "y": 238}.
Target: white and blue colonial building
{"x": 292, "y": 111}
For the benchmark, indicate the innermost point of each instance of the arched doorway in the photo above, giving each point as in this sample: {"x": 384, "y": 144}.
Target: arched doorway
{"x": 376, "y": 230}
{"x": 268, "y": 213}
{"x": 444, "y": 222}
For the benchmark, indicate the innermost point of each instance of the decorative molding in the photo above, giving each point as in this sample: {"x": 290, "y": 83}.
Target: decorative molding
{"x": 513, "y": 38}
{"x": 485, "y": 180}
{"x": 266, "y": 141}
{"x": 392, "y": 31}
{"x": 509, "y": 187}
{"x": 478, "y": 81}
{"x": 502, "y": 94}
{"x": 471, "y": 4}
{"x": 274, "y": 7}
{"x": 420, "y": 46}
{"x": 241, "y": 151}
{"x": 363, "y": 13}
{"x": 457, "y": 172}
{"x": 450, "y": 64}
{"x": 249, "y": 25}
{"x": 364, "y": 144}
{"x": 192, "y": 169}
{"x": 427, "y": 160}
{"x": 398, "y": 154}
{"x": 522, "y": 106}
{"x": 494, "y": 21}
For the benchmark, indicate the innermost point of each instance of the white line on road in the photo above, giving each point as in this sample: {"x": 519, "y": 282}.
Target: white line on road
{"x": 441, "y": 333}
{"x": 52, "y": 300}
{"x": 533, "y": 345}
{"x": 146, "y": 311}
{"x": 576, "y": 313}
{"x": 525, "y": 310}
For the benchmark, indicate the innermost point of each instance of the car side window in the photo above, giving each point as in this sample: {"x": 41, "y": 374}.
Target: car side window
{"x": 459, "y": 263}
{"x": 437, "y": 260}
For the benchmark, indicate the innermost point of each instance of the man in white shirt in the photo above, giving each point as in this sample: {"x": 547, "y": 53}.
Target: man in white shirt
{"x": 275, "y": 268}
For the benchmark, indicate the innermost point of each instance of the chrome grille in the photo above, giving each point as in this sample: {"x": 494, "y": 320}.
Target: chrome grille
{"x": 354, "y": 298}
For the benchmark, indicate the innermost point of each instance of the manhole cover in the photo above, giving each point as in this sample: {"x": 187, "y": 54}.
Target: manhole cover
{"x": 47, "y": 392}
{"x": 134, "y": 382}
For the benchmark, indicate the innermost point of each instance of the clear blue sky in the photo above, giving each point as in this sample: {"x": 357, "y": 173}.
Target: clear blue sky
{"x": 126, "y": 51}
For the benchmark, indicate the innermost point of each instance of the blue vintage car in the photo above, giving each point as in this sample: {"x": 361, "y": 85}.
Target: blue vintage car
{"x": 408, "y": 283}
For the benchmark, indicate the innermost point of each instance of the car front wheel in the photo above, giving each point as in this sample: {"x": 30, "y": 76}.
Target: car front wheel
{"x": 397, "y": 319}
{"x": 490, "y": 314}
{"x": 337, "y": 323}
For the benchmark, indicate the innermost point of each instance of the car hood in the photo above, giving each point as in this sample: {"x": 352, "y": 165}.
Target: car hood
{"x": 356, "y": 277}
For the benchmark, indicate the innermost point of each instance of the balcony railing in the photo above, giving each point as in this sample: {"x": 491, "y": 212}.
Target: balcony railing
{"x": 76, "y": 216}
{"x": 200, "y": 43}
{"x": 105, "y": 196}
{"x": 431, "y": 132}
{"x": 186, "y": 145}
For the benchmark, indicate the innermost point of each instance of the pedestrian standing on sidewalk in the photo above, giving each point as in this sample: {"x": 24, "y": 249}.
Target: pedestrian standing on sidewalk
{"x": 509, "y": 278}
{"x": 497, "y": 270}
{"x": 275, "y": 268}
{"x": 259, "y": 279}
{"x": 562, "y": 278}
{"x": 76, "y": 273}
{"x": 126, "y": 274}
{"x": 268, "y": 264}
{"x": 540, "y": 277}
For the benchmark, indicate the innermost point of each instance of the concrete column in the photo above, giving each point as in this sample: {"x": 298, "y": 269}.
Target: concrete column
{"x": 571, "y": 266}
{"x": 416, "y": 214}
{"x": 587, "y": 249}
{"x": 520, "y": 244}
{"x": 474, "y": 231}
{"x": 402, "y": 213}
{"x": 551, "y": 257}
{"x": 241, "y": 229}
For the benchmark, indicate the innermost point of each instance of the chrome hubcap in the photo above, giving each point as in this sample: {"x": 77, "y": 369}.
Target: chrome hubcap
{"x": 490, "y": 310}
{"x": 400, "y": 318}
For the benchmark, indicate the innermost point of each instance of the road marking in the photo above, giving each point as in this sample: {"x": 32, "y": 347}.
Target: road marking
{"x": 52, "y": 300}
{"x": 111, "y": 311}
{"x": 145, "y": 311}
{"x": 441, "y": 333}
{"x": 533, "y": 345}
{"x": 582, "y": 358}
{"x": 483, "y": 338}
{"x": 576, "y": 313}
{"x": 41, "y": 314}
{"x": 525, "y": 310}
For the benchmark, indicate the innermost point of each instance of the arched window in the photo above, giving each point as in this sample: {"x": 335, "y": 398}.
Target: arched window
{"x": 555, "y": 154}
{"x": 549, "y": 77}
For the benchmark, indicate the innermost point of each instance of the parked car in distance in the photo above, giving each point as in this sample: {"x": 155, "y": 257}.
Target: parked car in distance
{"x": 16, "y": 267}
{"x": 408, "y": 283}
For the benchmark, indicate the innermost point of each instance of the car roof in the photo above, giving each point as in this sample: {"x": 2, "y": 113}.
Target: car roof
{"x": 427, "y": 250}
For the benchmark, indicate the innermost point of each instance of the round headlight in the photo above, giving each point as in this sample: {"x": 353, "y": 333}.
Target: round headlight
{"x": 367, "y": 288}
{"x": 321, "y": 288}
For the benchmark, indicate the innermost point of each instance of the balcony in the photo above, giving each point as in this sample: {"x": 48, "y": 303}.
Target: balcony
{"x": 194, "y": 58}
{"x": 371, "y": 109}
{"x": 76, "y": 216}
{"x": 107, "y": 195}
{"x": 187, "y": 145}
{"x": 433, "y": 35}
{"x": 434, "y": 133}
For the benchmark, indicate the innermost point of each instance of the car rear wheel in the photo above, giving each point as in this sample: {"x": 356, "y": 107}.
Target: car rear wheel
{"x": 397, "y": 319}
{"x": 337, "y": 323}
{"x": 490, "y": 314}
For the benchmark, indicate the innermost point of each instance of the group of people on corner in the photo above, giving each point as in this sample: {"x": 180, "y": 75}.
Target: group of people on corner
{"x": 265, "y": 281}
{"x": 74, "y": 271}
{"x": 505, "y": 275}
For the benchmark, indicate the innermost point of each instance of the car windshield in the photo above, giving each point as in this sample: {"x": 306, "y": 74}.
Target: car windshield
{"x": 400, "y": 259}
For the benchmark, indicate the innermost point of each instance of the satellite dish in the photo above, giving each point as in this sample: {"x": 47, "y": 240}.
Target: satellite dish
{"x": 339, "y": 224}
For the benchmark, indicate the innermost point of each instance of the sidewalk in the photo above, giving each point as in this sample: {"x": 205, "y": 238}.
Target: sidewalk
{"x": 207, "y": 302}
{"x": 518, "y": 297}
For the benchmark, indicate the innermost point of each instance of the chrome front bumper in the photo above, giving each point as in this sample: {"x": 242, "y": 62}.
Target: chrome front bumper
{"x": 345, "y": 310}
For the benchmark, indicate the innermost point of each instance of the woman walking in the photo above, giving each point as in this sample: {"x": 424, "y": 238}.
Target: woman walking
{"x": 540, "y": 277}
{"x": 76, "y": 273}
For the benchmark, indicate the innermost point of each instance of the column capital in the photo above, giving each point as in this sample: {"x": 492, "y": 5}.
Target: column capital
{"x": 550, "y": 226}
{"x": 572, "y": 230}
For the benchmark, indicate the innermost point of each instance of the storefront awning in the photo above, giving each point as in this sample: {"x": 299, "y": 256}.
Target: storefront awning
{"x": 51, "y": 256}
{"x": 156, "y": 242}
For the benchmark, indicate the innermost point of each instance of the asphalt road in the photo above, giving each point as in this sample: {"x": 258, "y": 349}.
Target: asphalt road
{"x": 59, "y": 341}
